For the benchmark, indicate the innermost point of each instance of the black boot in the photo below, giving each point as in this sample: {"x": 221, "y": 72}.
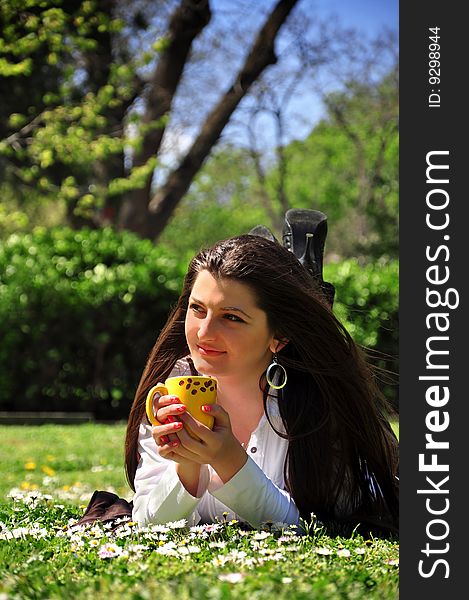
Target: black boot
{"x": 304, "y": 233}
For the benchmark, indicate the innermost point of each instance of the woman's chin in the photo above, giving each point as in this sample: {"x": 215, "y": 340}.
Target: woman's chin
{"x": 205, "y": 366}
{"x": 199, "y": 363}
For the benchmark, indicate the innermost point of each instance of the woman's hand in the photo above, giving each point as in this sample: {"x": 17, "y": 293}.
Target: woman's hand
{"x": 217, "y": 447}
{"x": 168, "y": 409}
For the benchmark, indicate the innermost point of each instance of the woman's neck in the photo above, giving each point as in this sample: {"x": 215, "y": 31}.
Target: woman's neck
{"x": 245, "y": 393}
{"x": 242, "y": 400}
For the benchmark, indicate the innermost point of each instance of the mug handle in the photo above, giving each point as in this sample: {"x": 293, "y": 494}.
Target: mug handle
{"x": 162, "y": 390}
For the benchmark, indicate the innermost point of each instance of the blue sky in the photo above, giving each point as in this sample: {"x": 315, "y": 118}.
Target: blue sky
{"x": 367, "y": 15}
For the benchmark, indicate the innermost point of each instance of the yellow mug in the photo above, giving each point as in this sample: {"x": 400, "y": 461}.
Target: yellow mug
{"x": 194, "y": 391}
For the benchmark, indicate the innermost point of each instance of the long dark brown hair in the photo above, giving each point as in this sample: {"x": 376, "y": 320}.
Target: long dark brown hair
{"x": 342, "y": 460}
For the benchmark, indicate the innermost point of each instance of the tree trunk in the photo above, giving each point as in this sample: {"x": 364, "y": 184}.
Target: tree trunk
{"x": 186, "y": 23}
{"x": 262, "y": 54}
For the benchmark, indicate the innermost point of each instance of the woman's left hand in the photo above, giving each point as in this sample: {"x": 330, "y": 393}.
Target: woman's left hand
{"x": 217, "y": 447}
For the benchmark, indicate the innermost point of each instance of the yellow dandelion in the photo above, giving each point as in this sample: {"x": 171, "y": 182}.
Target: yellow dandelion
{"x": 50, "y": 458}
{"x": 48, "y": 470}
{"x": 25, "y": 485}
{"x": 30, "y": 465}
{"x": 65, "y": 488}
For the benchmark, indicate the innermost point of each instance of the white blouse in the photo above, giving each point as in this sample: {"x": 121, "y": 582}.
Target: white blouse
{"x": 255, "y": 494}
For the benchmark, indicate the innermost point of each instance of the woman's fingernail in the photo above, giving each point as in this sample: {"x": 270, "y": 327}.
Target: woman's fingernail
{"x": 206, "y": 408}
{"x": 174, "y": 444}
{"x": 170, "y": 419}
{"x": 164, "y": 439}
{"x": 177, "y": 425}
{"x": 181, "y": 408}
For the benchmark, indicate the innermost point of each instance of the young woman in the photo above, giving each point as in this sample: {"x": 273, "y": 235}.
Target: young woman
{"x": 300, "y": 426}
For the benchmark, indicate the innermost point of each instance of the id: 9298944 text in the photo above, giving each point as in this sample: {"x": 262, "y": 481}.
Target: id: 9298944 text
{"x": 434, "y": 97}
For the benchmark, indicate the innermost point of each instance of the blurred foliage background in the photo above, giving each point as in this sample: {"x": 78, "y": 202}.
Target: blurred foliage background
{"x": 133, "y": 134}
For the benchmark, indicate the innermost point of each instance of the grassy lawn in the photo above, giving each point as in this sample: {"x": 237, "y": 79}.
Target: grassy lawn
{"x": 48, "y": 474}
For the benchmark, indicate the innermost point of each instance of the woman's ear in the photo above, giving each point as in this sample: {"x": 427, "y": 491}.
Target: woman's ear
{"x": 277, "y": 345}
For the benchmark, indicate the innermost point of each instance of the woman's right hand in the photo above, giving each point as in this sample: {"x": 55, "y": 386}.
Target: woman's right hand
{"x": 166, "y": 410}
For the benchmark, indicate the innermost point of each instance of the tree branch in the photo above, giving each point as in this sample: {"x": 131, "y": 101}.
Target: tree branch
{"x": 261, "y": 55}
{"x": 186, "y": 23}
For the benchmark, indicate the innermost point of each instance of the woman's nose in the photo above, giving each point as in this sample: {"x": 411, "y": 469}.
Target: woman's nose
{"x": 206, "y": 329}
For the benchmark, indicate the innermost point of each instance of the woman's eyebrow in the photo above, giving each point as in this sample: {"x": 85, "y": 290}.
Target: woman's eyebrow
{"x": 232, "y": 308}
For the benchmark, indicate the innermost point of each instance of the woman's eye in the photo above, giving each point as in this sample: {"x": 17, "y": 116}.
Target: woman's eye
{"x": 196, "y": 308}
{"x": 234, "y": 318}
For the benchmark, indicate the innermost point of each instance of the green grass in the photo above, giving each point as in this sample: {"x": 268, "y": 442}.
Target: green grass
{"x": 58, "y": 457}
{"x": 53, "y": 471}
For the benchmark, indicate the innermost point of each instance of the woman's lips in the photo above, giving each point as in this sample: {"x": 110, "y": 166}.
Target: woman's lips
{"x": 204, "y": 351}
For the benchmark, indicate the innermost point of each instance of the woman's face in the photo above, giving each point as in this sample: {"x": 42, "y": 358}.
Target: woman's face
{"x": 226, "y": 332}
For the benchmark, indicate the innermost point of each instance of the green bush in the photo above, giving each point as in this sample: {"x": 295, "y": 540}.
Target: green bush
{"x": 79, "y": 312}
{"x": 367, "y": 302}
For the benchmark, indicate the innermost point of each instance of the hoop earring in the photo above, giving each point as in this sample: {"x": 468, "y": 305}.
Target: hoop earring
{"x": 271, "y": 367}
